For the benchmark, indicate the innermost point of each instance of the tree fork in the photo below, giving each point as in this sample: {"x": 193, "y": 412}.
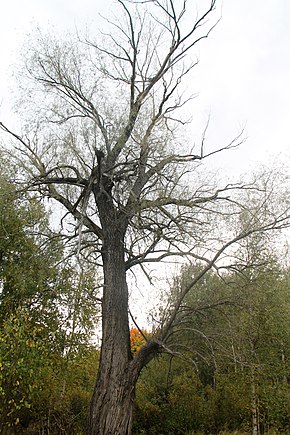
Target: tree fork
{"x": 114, "y": 394}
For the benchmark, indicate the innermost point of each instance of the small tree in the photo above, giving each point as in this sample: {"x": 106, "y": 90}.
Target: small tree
{"x": 105, "y": 145}
{"x": 47, "y": 315}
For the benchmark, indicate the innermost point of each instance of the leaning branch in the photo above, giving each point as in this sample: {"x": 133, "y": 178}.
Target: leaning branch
{"x": 279, "y": 223}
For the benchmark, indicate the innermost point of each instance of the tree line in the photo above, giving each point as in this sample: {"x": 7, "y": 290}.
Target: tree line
{"x": 228, "y": 364}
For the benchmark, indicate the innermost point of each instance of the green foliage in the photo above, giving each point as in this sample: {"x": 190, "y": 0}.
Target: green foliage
{"x": 61, "y": 405}
{"x": 47, "y": 314}
{"x": 26, "y": 255}
{"x": 23, "y": 356}
{"x": 233, "y": 327}
{"x": 171, "y": 399}
{"x": 42, "y": 389}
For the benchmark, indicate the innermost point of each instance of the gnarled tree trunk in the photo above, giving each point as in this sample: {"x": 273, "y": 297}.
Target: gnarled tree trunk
{"x": 112, "y": 403}
{"x": 113, "y": 398}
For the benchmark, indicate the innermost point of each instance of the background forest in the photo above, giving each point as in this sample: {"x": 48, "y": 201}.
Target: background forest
{"x": 233, "y": 361}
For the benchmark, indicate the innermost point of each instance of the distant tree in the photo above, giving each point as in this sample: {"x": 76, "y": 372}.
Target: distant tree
{"x": 105, "y": 144}
{"x": 41, "y": 388}
{"x": 47, "y": 312}
{"x": 137, "y": 339}
{"x": 234, "y": 330}
{"x": 259, "y": 333}
{"x": 28, "y": 252}
{"x": 230, "y": 365}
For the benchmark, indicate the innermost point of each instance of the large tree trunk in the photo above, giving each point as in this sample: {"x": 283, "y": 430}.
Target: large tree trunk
{"x": 112, "y": 403}
{"x": 114, "y": 394}
{"x": 113, "y": 397}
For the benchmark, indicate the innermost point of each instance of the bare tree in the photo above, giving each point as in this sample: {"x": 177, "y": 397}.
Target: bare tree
{"x": 105, "y": 145}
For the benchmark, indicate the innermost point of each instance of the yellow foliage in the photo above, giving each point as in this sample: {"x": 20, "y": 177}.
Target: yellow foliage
{"x": 137, "y": 339}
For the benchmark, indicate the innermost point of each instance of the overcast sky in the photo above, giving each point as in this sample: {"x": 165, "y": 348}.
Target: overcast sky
{"x": 243, "y": 77}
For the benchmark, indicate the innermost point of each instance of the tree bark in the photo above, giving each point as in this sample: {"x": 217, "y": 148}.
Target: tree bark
{"x": 255, "y": 413}
{"x": 112, "y": 404}
{"x": 114, "y": 393}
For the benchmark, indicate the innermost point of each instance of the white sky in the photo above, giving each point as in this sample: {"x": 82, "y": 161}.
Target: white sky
{"x": 243, "y": 78}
